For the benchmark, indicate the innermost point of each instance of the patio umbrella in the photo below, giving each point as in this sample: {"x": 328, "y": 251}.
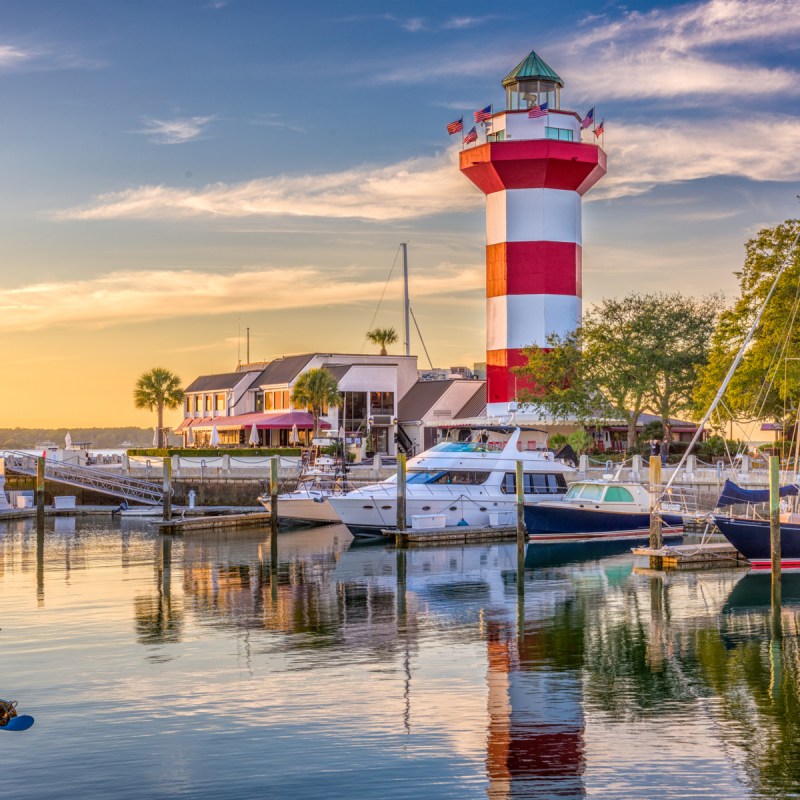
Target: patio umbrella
{"x": 214, "y": 441}
{"x": 253, "y": 435}
{"x": 190, "y": 437}
{"x": 155, "y": 437}
{"x": 295, "y": 437}
{"x": 68, "y": 440}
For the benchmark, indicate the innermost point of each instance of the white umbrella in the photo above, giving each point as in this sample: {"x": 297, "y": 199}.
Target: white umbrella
{"x": 68, "y": 440}
{"x": 190, "y": 436}
{"x": 253, "y": 434}
{"x": 295, "y": 437}
{"x": 155, "y": 437}
{"x": 214, "y": 436}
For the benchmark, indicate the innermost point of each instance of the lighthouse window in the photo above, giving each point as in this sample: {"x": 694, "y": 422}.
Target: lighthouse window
{"x": 563, "y": 134}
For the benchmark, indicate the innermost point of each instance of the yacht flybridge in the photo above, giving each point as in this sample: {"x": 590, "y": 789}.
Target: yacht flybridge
{"x": 463, "y": 482}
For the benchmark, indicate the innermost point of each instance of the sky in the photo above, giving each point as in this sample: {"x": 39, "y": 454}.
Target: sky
{"x": 175, "y": 173}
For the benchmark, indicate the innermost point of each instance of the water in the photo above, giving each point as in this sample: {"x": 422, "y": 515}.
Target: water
{"x": 191, "y": 668}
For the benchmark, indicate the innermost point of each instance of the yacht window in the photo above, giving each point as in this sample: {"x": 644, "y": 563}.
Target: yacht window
{"x": 460, "y": 447}
{"x": 574, "y": 491}
{"x": 591, "y": 491}
{"x": 423, "y": 477}
{"x": 461, "y": 477}
{"x": 535, "y": 483}
{"x": 617, "y": 494}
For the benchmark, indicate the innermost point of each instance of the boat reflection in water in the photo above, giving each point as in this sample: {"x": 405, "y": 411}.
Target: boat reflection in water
{"x": 370, "y": 672}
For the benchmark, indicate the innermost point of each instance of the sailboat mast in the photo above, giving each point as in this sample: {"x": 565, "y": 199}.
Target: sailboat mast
{"x": 406, "y": 306}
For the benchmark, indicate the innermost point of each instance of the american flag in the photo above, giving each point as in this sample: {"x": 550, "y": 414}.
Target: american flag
{"x": 456, "y": 127}
{"x": 588, "y": 119}
{"x": 598, "y": 131}
{"x": 538, "y": 111}
{"x": 472, "y": 136}
{"x": 483, "y": 114}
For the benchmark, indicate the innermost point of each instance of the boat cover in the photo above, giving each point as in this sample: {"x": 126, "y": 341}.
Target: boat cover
{"x": 733, "y": 495}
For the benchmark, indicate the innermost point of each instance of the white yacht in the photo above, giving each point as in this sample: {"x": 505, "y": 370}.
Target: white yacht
{"x": 461, "y": 483}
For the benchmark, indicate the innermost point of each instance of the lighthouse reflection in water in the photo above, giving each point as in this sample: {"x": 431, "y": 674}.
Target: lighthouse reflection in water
{"x": 201, "y": 667}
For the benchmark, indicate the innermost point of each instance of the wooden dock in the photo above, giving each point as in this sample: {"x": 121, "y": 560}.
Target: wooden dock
{"x": 693, "y": 556}
{"x": 457, "y": 534}
{"x": 249, "y": 520}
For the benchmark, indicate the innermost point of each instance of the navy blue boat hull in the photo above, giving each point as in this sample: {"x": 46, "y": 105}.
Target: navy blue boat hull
{"x": 751, "y": 538}
{"x": 568, "y": 519}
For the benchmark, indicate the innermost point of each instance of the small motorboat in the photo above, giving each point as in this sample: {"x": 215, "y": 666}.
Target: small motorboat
{"x": 599, "y": 508}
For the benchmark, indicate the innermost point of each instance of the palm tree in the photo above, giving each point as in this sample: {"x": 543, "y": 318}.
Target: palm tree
{"x": 314, "y": 390}
{"x": 156, "y": 390}
{"x": 383, "y": 337}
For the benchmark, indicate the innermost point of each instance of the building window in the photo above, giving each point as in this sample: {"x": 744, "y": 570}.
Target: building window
{"x": 268, "y": 404}
{"x": 219, "y": 404}
{"x": 562, "y": 134}
{"x": 207, "y": 405}
{"x": 381, "y": 403}
{"x": 187, "y": 404}
{"x": 355, "y": 409}
{"x": 286, "y": 398}
{"x": 196, "y": 402}
{"x": 259, "y": 401}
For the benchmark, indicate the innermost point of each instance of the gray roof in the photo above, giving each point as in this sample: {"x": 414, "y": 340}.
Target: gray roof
{"x": 284, "y": 369}
{"x": 420, "y": 398}
{"x": 213, "y": 383}
{"x": 338, "y": 370}
{"x": 476, "y": 405}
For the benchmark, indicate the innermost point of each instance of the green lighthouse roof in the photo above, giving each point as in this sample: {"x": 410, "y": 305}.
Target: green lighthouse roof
{"x": 532, "y": 68}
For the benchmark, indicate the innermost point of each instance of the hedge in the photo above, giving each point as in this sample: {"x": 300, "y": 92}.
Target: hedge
{"x": 200, "y": 452}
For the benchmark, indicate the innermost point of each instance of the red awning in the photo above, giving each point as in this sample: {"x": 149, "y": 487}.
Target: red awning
{"x": 283, "y": 420}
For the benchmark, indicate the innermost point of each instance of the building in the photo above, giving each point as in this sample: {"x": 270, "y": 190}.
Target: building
{"x": 534, "y": 161}
{"x": 260, "y": 394}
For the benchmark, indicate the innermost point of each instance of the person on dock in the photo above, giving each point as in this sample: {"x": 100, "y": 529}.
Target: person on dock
{"x": 664, "y": 452}
{"x": 654, "y": 446}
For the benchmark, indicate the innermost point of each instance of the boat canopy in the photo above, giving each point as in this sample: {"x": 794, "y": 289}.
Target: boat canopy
{"x": 733, "y": 495}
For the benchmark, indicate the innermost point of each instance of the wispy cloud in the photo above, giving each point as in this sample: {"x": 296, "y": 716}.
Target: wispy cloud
{"x": 410, "y": 189}
{"x": 128, "y": 297}
{"x": 175, "y": 131}
{"x": 643, "y": 158}
{"x": 13, "y": 56}
{"x": 462, "y": 23}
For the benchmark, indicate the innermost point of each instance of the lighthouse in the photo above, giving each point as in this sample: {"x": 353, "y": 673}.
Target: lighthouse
{"x": 534, "y": 162}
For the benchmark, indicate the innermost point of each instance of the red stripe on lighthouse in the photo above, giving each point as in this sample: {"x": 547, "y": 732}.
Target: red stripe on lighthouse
{"x": 501, "y": 383}
{"x": 533, "y": 268}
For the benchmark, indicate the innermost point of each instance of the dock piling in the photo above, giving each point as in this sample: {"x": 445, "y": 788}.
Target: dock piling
{"x": 775, "y": 517}
{"x": 401, "y": 491}
{"x": 167, "y": 488}
{"x": 656, "y": 535}
{"x": 273, "y": 496}
{"x": 40, "y": 485}
{"x": 521, "y": 529}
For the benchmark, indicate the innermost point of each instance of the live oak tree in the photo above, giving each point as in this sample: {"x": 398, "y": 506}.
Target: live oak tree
{"x": 767, "y": 381}
{"x": 315, "y": 390}
{"x": 631, "y": 355}
{"x": 156, "y": 390}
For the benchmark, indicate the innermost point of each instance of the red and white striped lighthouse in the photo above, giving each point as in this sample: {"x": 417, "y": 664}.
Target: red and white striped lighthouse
{"x": 534, "y": 169}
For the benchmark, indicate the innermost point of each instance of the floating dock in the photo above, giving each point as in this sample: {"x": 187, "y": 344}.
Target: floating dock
{"x": 693, "y": 556}
{"x": 250, "y": 520}
{"x": 457, "y": 534}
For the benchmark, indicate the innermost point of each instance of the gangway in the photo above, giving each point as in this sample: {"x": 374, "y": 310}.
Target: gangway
{"x": 94, "y": 478}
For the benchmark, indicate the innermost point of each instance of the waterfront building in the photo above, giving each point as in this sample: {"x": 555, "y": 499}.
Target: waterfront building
{"x": 260, "y": 394}
{"x": 534, "y": 161}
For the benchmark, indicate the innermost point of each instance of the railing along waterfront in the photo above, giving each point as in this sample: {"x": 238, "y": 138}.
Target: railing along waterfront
{"x": 95, "y": 479}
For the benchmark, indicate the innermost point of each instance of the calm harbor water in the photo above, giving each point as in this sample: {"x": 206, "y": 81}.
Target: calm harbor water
{"x": 198, "y": 668}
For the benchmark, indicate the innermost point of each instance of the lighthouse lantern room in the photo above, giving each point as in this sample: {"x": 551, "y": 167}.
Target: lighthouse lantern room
{"x": 534, "y": 162}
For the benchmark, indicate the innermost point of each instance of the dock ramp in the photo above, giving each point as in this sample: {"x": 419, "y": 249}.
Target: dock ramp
{"x": 96, "y": 479}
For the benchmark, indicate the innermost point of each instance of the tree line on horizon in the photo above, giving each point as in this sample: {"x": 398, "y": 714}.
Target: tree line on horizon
{"x": 101, "y": 438}
{"x": 667, "y": 354}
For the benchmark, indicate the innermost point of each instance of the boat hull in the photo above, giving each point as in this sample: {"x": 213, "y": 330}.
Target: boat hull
{"x": 305, "y": 509}
{"x": 751, "y": 538}
{"x": 544, "y": 519}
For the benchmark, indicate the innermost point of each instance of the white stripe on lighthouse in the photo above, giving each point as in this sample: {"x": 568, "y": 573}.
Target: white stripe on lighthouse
{"x": 533, "y": 215}
{"x": 518, "y": 320}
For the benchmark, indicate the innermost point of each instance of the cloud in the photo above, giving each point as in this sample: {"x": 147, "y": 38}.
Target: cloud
{"x": 410, "y": 189}
{"x": 175, "y": 131}
{"x": 462, "y": 23}
{"x": 144, "y": 296}
{"x": 641, "y": 158}
{"x": 11, "y": 56}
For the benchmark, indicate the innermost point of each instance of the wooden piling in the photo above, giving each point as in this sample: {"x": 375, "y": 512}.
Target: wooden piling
{"x": 166, "y": 486}
{"x": 521, "y": 528}
{"x": 40, "y": 485}
{"x": 775, "y": 517}
{"x": 401, "y": 491}
{"x": 273, "y": 496}
{"x": 656, "y": 535}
